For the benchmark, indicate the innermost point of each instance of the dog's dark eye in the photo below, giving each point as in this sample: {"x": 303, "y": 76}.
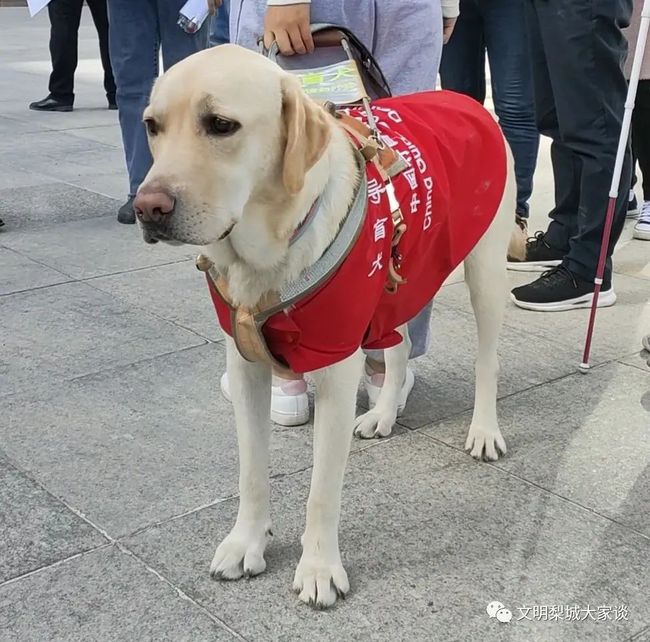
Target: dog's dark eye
{"x": 217, "y": 126}
{"x": 152, "y": 126}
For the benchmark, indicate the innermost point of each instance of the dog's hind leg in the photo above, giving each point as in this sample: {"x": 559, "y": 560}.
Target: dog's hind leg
{"x": 379, "y": 421}
{"x": 487, "y": 286}
{"x": 320, "y": 577}
{"x": 241, "y": 553}
{"x": 486, "y": 277}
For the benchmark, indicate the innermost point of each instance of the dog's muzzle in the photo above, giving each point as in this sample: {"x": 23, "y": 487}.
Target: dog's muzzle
{"x": 152, "y": 233}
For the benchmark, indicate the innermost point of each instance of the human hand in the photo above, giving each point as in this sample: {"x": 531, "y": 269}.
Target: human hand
{"x": 288, "y": 25}
{"x": 448, "y": 25}
{"x": 213, "y": 5}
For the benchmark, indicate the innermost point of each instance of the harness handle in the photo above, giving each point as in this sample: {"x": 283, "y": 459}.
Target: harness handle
{"x": 330, "y": 35}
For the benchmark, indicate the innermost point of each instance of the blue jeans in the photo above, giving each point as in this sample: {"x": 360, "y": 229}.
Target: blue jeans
{"x": 498, "y": 26}
{"x": 138, "y": 30}
{"x": 219, "y": 25}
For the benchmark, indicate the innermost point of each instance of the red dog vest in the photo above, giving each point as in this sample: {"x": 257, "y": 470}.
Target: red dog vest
{"x": 449, "y": 195}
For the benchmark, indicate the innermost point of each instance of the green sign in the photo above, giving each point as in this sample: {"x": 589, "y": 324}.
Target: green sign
{"x": 339, "y": 83}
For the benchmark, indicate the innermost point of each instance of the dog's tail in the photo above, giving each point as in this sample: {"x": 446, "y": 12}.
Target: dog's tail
{"x": 518, "y": 238}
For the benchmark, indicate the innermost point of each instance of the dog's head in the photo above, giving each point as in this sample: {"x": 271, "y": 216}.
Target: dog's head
{"x": 226, "y": 127}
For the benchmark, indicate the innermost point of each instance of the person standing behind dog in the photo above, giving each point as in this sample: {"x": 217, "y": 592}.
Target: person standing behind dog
{"x": 386, "y": 27}
{"x": 640, "y": 122}
{"x": 498, "y": 27}
{"x": 406, "y": 39}
{"x": 139, "y": 29}
{"x": 577, "y": 51}
{"x": 65, "y": 17}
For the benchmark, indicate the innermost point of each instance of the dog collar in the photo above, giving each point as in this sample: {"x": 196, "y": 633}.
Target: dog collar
{"x": 314, "y": 275}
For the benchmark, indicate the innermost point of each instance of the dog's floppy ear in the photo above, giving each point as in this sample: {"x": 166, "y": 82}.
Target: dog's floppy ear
{"x": 307, "y": 132}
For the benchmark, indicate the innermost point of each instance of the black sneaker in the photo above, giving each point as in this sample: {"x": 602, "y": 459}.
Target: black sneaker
{"x": 539, "y": 256}
{"x": 126, "y": 213}
{"x": 112, "y": 103}
{"x": 560, "y": 289}
{"x": 50, "y": 104}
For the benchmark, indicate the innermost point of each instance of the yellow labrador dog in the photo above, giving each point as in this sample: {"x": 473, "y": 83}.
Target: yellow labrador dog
{"x": 240, "y": 155}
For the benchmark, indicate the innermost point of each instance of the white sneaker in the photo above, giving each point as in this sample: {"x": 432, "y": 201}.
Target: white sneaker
{"x": 374, "y": 382}
{"x": 642, "y": 227}
{"x": 289, "y": 402}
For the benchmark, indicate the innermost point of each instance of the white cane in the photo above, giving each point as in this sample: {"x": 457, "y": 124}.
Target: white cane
{"x": 616, "y": 178}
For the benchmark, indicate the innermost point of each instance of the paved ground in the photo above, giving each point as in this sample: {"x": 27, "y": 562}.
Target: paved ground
{"x": 118, "y": 471}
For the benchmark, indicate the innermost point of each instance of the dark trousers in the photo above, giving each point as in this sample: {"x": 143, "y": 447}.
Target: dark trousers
{"x": 641, "y": 134}
{"x": 65, "y": 16}
{"x": 499, "y": 27}
{"x": 577, "y": 50}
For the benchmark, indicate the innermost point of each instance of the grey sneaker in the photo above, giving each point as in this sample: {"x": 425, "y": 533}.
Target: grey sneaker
{"x": 126, "y": 213}
{"x": 642, "y": 227}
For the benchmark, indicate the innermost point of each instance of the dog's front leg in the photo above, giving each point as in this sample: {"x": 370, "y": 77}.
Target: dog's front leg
{"x": 320, "y": 577}
{"x": 242, "y": 552}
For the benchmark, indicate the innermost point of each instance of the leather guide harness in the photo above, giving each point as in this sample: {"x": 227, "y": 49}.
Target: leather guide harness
{"x": 388, "y": 163}
{"x": 247, "y": 322}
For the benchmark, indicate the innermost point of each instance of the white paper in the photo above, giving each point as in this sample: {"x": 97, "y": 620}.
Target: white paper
{"x": 195, "y": 10}
{"x": 36, "y": 5}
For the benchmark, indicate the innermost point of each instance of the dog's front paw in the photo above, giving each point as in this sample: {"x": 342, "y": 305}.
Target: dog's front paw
{"x": 485, "y": 443}
{"x": 375, "y": 423}
{"x": 320, "y": 582}
{"x": 241, "y": 554}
